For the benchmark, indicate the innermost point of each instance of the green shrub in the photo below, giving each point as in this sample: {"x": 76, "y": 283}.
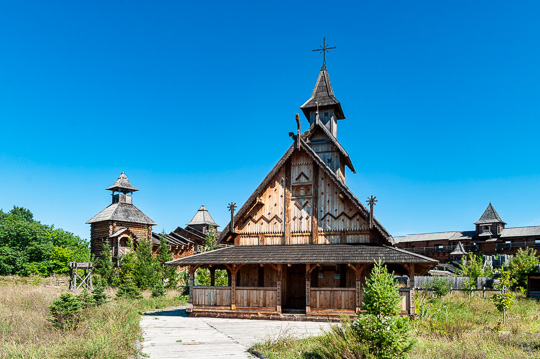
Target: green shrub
{"x": 524, "y": 261}
{"x": 158, "y": 290}
{"x": 66, "y": 312}
{"x": 382, "y": 329}
{"x": 439, "y": 286}
{"x": 128, "y": 289}
{"x": 100, "y": 297}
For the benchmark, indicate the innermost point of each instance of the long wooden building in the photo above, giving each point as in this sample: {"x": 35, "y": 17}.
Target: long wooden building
{"x": 303, "y": 243}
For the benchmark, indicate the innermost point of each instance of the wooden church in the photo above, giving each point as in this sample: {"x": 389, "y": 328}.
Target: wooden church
{"x": 303, "y": 243}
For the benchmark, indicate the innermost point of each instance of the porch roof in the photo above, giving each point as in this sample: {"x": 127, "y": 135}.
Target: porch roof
{"x": 308, "y": 253}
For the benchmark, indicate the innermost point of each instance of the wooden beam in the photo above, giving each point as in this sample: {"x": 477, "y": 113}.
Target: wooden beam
{"x": 191, "y": 284}
{"x": 272, "y": 265}
{"x": 313, "y": 267}
{"x": 411, "y": 293}
{"x": 278, "y": 284}
{"x": 287, "y": 206}
{"x": 308, "y": 287}
{"x": 315, "y": 208}
{"x": 233, "y": 287}
{"x": 212, "y": 276}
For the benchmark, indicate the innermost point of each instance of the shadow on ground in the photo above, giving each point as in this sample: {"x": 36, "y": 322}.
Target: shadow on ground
{"x": 179, "y": 312}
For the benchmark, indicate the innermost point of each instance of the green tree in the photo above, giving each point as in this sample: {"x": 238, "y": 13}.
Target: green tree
{"x": 210, "y": 242}
{"x": 504, "y": 300}
{"x": 472, "y": 266}
{"x": 146, "y": 268}
{"x": 382, "y": 329}
{"x": 104, "y": 267}
{"x": 524, "y": 261}
{"x": 169, "y": 275}
{"x": 28, "y": 247}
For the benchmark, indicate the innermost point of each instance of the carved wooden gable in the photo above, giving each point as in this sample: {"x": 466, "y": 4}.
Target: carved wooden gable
{"x": 302, "y": 202}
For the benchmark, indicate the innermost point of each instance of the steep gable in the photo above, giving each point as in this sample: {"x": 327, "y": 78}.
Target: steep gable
{"x": 281, "y": 210}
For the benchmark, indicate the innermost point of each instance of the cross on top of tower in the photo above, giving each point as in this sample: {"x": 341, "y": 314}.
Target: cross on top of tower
{"x": 324, "y": 49}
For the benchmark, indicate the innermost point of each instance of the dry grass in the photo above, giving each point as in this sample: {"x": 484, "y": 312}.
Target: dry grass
{"x": 109, "y": 331}
{"x": 456, "y": 327}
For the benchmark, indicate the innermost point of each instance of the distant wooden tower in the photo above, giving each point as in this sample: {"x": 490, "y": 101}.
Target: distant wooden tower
{"x": 119, "y": 221}
{"x": 202, "y": 221}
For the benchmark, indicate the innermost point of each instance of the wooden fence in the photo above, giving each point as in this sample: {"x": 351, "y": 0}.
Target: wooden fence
{"x": 458, "y": 283}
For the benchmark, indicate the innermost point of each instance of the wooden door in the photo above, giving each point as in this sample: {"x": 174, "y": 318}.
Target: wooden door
{"x": 296, "y": 287}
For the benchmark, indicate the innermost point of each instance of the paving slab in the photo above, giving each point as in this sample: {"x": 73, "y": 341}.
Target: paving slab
{"x": 172, "y": 334}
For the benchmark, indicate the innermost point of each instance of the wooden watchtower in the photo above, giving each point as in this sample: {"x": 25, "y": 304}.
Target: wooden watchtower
{"x": 120, "y": 220}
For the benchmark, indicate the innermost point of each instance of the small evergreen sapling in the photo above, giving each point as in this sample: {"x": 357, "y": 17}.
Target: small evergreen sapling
{"x": 128, "y": 289}
{"x": 382, "y": 329}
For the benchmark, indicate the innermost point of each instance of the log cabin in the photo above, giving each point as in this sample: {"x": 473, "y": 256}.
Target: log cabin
{"x": 303, "y": 244}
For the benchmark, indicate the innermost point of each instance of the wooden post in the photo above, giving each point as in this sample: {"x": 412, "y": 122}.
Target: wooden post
{"x": 308, "y": 288}
{"x": 233, "y": 287}
{"x": 212, "y": 277}
{"x": 278, "y": 299}
{"x": 191, "y": 284}
{"x": 359, "y": 293}
{"x": 287, "y": 207}
{"x": 411, "y": 292}
{"x": 315, "y": 208}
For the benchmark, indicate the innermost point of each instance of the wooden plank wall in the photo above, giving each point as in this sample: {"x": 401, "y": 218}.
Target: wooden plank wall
{"x": 332, "y": 298}
{"x": 256, "y": 297}
{"x": 338, "y": 220}
{"x": 212, "y": 296}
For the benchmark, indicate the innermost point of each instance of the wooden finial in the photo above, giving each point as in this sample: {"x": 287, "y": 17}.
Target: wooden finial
{"x": 371, "y": 201}
{"x": 232, "y": 207}
{"x": 298, "y": 130}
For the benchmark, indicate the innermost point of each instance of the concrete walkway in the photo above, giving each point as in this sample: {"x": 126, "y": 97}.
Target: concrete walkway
{"x": 171, "y": 334}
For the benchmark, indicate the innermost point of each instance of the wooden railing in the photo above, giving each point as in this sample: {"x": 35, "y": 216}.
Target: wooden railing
{"x": 332, "y": 298}
{"x": 261, "y": 297}
{"x": 212, "y": 296}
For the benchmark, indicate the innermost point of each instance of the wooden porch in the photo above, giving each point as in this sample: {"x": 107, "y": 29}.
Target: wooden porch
{"x": 288, "y": 292}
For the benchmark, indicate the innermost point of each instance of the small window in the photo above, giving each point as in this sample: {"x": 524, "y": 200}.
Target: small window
{"x": 537, "y": 241}
{"x": 507, "y": 242}
{"x": 485, "y": 229}
{"x": 441, "y": 246}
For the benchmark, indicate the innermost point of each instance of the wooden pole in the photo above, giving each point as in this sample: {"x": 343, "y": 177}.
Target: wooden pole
{"x": 233, "y": 287}
{"x": 191, "y": 284}
{"x": 308, "y": 288}
{"x": 278, "y": 299}
{"x": 412, "y": 310}
{"x": 212, "y": 277}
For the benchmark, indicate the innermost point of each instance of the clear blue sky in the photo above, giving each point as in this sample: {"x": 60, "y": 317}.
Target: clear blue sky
{"x": 194, "y": 101}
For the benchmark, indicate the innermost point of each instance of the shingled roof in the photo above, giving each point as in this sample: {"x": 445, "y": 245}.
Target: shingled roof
{"x": 202, "y": 217}
{"x": 125, "y": 212}
{"x": 490, "y": 216}
{"x": 122, "y": 184}
{"x": 323, "y": 96}
{"x": 307, "y": 253}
